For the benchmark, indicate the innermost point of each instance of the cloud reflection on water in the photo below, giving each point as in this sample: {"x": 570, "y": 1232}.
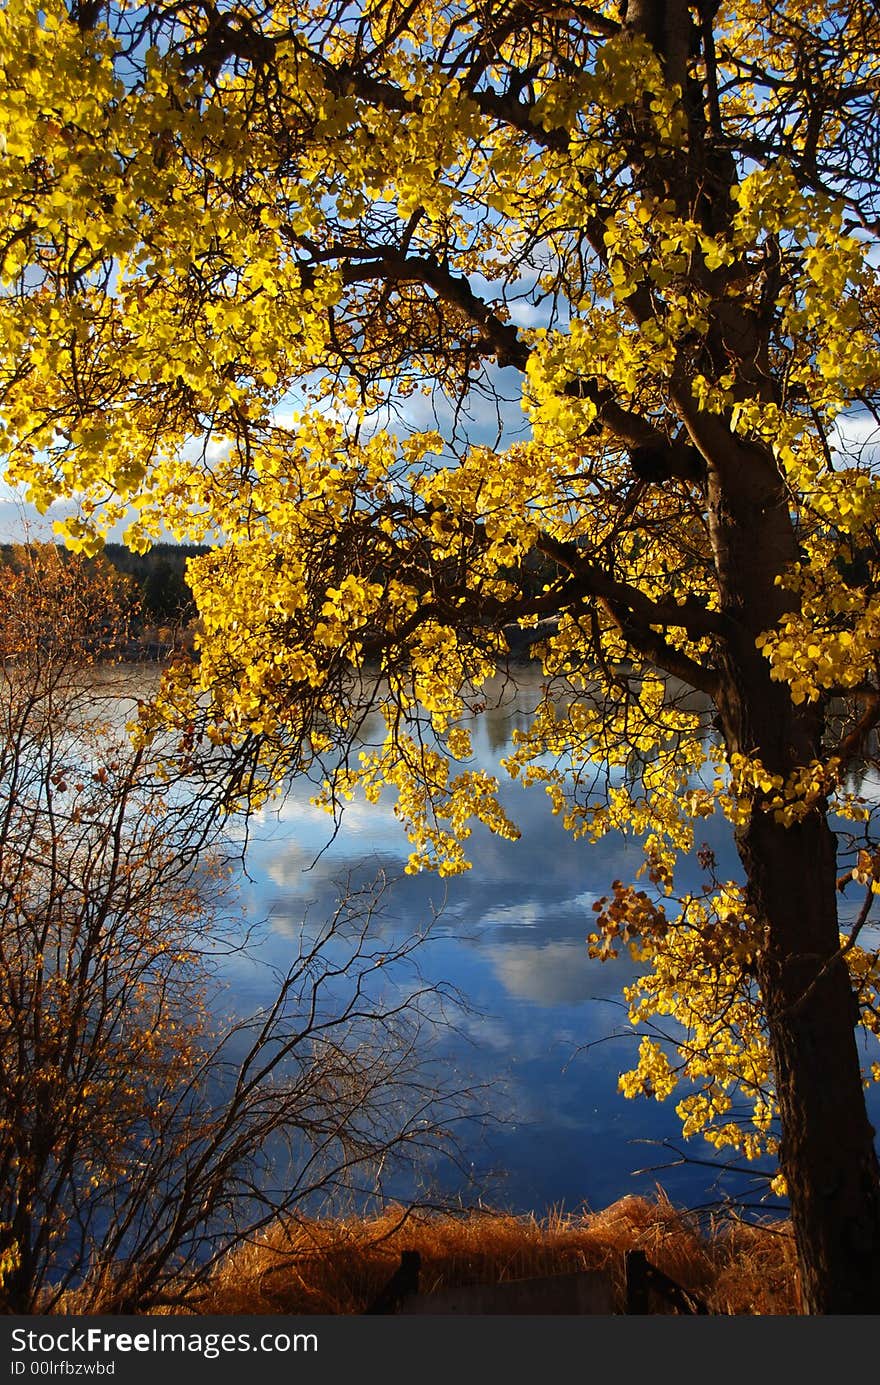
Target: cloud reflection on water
{"x": 545, "y": 1021}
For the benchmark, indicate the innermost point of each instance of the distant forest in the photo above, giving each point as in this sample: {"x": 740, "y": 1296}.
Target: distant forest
{"x": 159, "y": 589}
{"x": 162, "y": 598}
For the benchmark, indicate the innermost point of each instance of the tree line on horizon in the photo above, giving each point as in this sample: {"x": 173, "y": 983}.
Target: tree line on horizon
{"x": 157, "y": 585}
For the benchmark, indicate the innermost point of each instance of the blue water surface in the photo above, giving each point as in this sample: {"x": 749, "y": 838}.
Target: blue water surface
{"x": 544, "y": 1026}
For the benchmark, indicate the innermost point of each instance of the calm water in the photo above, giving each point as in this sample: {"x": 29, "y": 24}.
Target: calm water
{"x": 545, "y": 1024}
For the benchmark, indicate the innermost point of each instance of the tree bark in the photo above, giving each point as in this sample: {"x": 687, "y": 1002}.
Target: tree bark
{"x": 828, "y": 1153}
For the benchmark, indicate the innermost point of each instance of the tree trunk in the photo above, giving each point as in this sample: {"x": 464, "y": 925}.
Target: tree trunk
{"x": 828, "y": 1153}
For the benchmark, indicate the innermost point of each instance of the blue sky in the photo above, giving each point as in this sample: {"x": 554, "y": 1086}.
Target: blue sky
{"x": 856, "y": 436}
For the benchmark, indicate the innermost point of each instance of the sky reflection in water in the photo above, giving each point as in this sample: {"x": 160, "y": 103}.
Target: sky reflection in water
{"x": 545, "y": 1022}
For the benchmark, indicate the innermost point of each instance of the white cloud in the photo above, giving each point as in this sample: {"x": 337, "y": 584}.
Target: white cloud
{"x": 20, "y": 521}
{"x": 856, "y": 436}
{"x": 560, "y": 973}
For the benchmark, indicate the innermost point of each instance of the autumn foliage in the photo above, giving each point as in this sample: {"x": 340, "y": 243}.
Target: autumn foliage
{"x": 272, "y": 273}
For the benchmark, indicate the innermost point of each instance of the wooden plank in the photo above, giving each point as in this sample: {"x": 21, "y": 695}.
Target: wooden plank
{"x": 585, "y": 1292}
{"x": 403, "y": 1283}
{"x": 636, "y": 1262}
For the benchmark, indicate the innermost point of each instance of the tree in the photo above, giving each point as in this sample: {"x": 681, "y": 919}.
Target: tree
{"x": 655, "y": 225}
{"x": 141, "y": 1135}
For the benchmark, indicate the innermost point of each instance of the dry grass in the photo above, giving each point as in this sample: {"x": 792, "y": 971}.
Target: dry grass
{"x": 340, "y": 1267}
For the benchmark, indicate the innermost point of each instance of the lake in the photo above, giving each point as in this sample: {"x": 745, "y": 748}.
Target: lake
{"x": 545, "y": 1024}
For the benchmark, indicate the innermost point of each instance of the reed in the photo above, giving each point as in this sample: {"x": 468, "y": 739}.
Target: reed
{"x": 328, "y": 1267}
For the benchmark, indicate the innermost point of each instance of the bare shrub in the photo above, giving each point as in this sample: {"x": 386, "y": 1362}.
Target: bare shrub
{"x": 139, "y": 1139}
